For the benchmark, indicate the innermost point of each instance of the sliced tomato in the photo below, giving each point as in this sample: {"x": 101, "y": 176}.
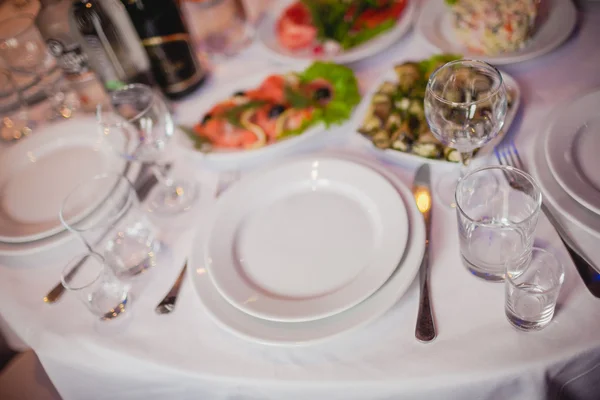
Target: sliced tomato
{"x": 271, "y": 89}
{"x": 372, "y": 17}
{"x": 222, "y": 134}
{"x": 294, "y": 27}
{"x": 297, "y": 118}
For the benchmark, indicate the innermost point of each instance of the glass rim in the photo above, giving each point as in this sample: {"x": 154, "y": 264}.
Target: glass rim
{"x": 468, "y": 103}
{"x": 524, "y": 174}
{"x": 139, "y": 114}
{"x": 73, "y": 264}
{"x": 560, "y": 266}
{"x": 71, "y": 226}
{"x": 27, "y": 16}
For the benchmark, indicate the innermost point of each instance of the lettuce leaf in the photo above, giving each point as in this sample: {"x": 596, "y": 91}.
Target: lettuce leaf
{"x": 345, "y": 94}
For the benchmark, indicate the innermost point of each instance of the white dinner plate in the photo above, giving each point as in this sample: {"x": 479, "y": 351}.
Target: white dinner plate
{"x": 302, "y": 333}
{"x": 400, "y": 157}
{"x": 267, "y": 37}
{"x": 572, "y": 149}
{"x": 37, "y": 173}
{"x": 556, "y": 196}
{"x": 556, "y": 22}
{"x": 305, "y": 239}
{"x": 190, "y": 112}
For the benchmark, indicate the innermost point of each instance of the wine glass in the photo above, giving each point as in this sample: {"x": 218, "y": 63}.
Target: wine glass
{"x": 24, "y": 49}
{"x": 465, "y": 107}
{"x": 14, "y": 115}
{"x": 139, "y": 125}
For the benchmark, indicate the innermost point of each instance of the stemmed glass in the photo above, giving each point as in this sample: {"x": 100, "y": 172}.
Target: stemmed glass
{"x": 23, "y": 49}
{"x": 139, "y": 125}
{"x": 465, "y": 106}
{"x": 14, "y": 116}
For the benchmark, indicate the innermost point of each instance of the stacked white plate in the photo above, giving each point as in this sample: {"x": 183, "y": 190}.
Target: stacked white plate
{"x": 567, "y": 169}
{"x": 307, "y": 249}
{"x": 37, "y": 173}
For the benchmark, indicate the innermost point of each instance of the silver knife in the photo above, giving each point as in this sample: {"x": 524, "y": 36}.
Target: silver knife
{"x": 425, "y": 329}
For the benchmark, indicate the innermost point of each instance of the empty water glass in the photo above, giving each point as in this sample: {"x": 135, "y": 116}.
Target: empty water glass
{"x": 532, "y": 288}
{"x": 105, "y": 213}
{"x": 497, "y": 209}
{"x": 15, "y": 122}
{"x": 96, "y": 286}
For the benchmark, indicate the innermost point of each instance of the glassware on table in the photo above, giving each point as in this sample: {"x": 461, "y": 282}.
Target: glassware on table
{"x": 140, "y": 126}
{"x": 96, "y": 286}
{"x": 220, "y": 27}
{"x": 24, "y": 49}
{"x": 532, "y": 289}
{"x": 15, "y": 122}
{"x": 465, "y": 107}
{"x": 496, "y": 220}
{"x": 105, "y": 213}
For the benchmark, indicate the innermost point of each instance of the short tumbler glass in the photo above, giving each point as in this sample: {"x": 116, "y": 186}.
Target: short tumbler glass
{"x": 105, "y": 213}
{"x": 532, "y": 288}
{"x": 497, "y": 209}
{"x": 96, "y": 286}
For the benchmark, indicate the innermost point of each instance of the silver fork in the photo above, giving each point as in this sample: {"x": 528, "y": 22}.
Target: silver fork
{"x": 167, "y": 304}
{"x": 509, "y": 155}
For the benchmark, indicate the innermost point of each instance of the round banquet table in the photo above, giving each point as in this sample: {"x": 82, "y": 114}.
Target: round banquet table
{"x": 477, "y": 354}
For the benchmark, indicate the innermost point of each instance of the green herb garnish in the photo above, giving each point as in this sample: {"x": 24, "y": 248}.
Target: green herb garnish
{"x": 200, "y": 143}
{"x": 233, "y": 114}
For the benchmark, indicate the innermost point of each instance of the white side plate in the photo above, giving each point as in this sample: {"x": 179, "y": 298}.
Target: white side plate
{"x": 557, "y": 22}
{"x": 572, "y": 146}
{"x": 303, "y": 333}
{"x": 267, "y": 37}
{"x": 37, "y": 173}
{"x": 400, "y": 157}
{"x": 305, "y": 239}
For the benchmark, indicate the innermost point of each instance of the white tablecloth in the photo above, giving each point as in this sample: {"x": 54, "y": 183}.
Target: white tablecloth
{"x": 477, "y": 354}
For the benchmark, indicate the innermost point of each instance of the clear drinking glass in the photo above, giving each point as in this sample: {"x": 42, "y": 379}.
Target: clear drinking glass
{"x": 496, "y": 219}
{"x": 96, "y": 286}
{"x": 23, "y": 48}
{"x": 15, "y": 121}
{"x": 532, "y": 288}
{"x": 220, "y": 27}
{"x": 140, "y": 126}
{"x": 104, "y": 212}
{"x": 465, "y": 107}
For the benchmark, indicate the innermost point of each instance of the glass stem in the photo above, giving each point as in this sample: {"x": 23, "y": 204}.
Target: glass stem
{"x": 465, "y": 159}
{"x": 162, "y": 176}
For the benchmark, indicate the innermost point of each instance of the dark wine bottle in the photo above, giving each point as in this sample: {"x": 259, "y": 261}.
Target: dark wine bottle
{"x": 168, "y": 45}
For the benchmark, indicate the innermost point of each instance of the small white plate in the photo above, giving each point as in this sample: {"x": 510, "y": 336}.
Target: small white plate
{"x": 557, "y": 21}
{"x": 303, "y": 333}
{"x": 572, "y": 146}
{"x": 556, "y": 196}
{"x": 37, "y": 173}
{"x": 400, "y": 157}
{"x": 305, "y": 239}
{"x": 190, "y": 112}
{"x": 267, "y": 37}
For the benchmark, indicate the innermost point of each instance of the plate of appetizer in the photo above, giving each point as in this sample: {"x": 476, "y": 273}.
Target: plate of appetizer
{"x": 269, "y": 112}
{"x": 497, "y": 31}
{"x": 338, "y": 31}
{"x": 391, "y": 117}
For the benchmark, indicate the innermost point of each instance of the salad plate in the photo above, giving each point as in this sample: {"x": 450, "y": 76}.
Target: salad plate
{"x": 435, "y": 25}
{"x": 378, "y": 35}
{"x": 571, "y": 148}
{"x": 403, "y": 91}
{"x": 553, "y": 192}
{"x": 263, "y": 331}
{"x": 312, "y": 238}
{"x": 268, "y": 113}
{"x": 37, "y": 173}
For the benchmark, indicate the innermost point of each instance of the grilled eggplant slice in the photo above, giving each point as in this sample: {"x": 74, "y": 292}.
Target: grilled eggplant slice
{"x": 427, "y": 150}
{"x": 451, "y": 154}
{"x": 387, "y": 88}
{"x": 408, "y": 75}
{"x": 381, "y": 139}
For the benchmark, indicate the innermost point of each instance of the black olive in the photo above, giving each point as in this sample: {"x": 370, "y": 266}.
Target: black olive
{"x": 240, "y": 93}
{"x": 206, "y": 118}
{"x": 322, "y": 93}
{"x": 276, "y": 110}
